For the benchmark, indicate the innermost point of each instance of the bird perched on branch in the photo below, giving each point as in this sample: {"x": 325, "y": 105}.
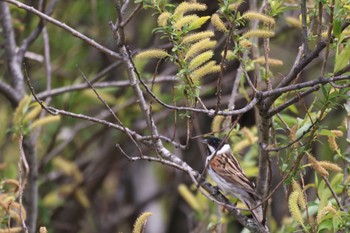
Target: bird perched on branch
{"x": 225, "y": 170}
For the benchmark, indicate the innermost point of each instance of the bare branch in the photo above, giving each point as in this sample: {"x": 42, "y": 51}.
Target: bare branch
{"x": 10, "y": 48}
{"x": 9, "y": 93}
{"x": 36, "y": 32}
{"x": 112, "y": 113}
{"x": 301, "y": 65}
{"x": 65, "y": 27}
{"x": 22, "y": 184}
{"x": 83, "y": 86}
{"x": 278, "y": 91}
{"x": 293, "y": 100}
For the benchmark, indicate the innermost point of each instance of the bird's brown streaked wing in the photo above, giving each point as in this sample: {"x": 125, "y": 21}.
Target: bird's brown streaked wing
{"x": 226, "y": 166}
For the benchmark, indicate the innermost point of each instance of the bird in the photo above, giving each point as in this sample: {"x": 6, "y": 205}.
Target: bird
{"x": 224, "y": 169}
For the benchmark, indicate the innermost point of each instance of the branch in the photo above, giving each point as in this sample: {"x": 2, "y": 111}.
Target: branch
{"x": 278, "y": 91}
{"x": 83, "y": 86}
{"x": 210, "y": 112}
{"x": 300, "y": 66}
{"x": 36, "y": 32}
{"x": 213, "y": 193}
{"x": 10, "y": 48}
{"x": 65, "y": 27}
{"x": 9, "y": 93}
{"x": 293, "y": 100}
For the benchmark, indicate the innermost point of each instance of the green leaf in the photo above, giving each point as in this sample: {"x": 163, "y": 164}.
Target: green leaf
{"x": 198, "y": 23}
{"x": 342, "y": 58}
{"x": 326, "y": 132}
{"x": 303, "y": 129}
{"x": 327, "y": 224}
{"x": 324, "y": 91}
{"x": 337, "y": 27}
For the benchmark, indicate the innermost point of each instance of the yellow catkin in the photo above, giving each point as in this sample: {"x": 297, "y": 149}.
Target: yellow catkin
{"x": 185, "y": 20}
{"x": 23, "y": 104}
{"x": 322, "y": 212}
{"x": 15, "y": 216}
{"x": 200, "y": 46}
{"x": 346, "y": 33}
{"x": 140, "y": 222}
{"x": 293, "y": 22}
{"x": 333, "y": 143}
{"x": 216, "y": 124}
{"x": 200, "y": 59}
{"x": 330, "y": 166}
{"x": 249, "y": 135}
{"x": 293, "y": 207}
{"x": 11, "y": 230}
{"x": 270, "y": 61}
{"x": 188, "y": 196}
{"x": 324, "y": 34}
{"x": 316, "y": 166}
{"x": 45, "y": 121}
{"x": 33, "y": 113}
{"x": 218, "y": 23}
{"x": 197, "y": 36}
{"x": 16, "y": 207}
{"x": 184, "y": 7}
{"x": 151, "y": 53}
{"x": 241, "y": 145}
{"x": 42, "y": 230}
{"x": 245, "y": 43}
{"x": 301, "y": 198}
{"x": 163, "y": 18}
{"x": 234, "y": 6}
{"x": 337, "y": 133}
{"x": 252, "y": 15}
{"x": 12, "y": 182}
{"x": 293, "y": 133}
{"x": 259, "y": 33}
{"x": 208, "y": 68}
{"x": 331, "y": 209}
{"x": 80, "y": 195}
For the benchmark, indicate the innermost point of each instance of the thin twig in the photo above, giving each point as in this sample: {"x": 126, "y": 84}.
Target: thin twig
{"x": 112, "y": 113}
{"x": 82, "y": 86}
{"x": 293, "y": 142}
{"x": 55, "y": 111}
{"x": 132, "y": 14}
{"x": 22, "y": 184}
{"x": 293, "y": 100}
{"x": 333, "y": 192}
{"x": 65, "y": 27}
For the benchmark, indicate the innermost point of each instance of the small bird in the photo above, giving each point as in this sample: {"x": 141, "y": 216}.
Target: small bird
{"x": 225, "y": 170}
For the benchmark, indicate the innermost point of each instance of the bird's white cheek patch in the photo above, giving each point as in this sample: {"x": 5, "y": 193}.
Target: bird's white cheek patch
{"x": 226, "y": 148}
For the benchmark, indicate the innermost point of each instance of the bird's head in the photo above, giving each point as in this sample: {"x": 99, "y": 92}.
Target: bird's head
{"x": 213, "y": 144}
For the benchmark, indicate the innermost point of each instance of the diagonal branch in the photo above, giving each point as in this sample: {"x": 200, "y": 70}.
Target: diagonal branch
{"x": 300, "y": 66}
{"x": 65, "y": 27}
{"x": 9, "y": 93}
